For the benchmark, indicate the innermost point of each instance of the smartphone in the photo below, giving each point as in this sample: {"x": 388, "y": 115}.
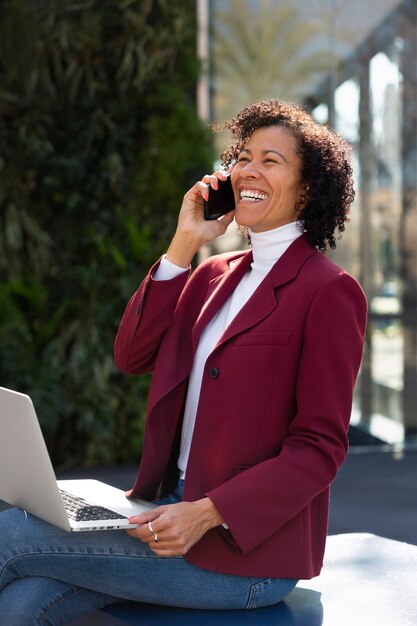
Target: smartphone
{"x": 220, "y": 201}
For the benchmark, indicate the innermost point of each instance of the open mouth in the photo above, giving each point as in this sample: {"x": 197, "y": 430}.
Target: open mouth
{"x": 252, "y": 196}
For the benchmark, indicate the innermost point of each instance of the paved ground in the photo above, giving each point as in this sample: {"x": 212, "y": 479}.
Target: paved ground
{"x": 374, "y": 492}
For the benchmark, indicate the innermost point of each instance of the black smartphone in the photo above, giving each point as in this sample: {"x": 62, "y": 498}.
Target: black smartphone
{"x": 220, "y": 201}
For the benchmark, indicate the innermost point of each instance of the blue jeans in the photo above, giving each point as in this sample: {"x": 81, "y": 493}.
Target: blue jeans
{"x": 49, "y": 576}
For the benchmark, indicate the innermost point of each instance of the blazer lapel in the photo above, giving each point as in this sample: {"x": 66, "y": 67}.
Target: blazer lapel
{"x": 265, "y": 298}
{"x": 220, "y": 289}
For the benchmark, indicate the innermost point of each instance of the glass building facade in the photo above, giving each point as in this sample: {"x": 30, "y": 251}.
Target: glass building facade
{"x": 360, "y": 76}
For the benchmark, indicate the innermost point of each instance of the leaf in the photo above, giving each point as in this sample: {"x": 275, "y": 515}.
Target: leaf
{"x": 85, "y": 203}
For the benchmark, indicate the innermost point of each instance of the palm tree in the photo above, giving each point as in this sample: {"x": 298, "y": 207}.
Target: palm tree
{"x": 263, "y": 52}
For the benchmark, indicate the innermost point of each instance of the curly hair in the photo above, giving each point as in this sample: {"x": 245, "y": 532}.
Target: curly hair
{"x": 326, "y": 169}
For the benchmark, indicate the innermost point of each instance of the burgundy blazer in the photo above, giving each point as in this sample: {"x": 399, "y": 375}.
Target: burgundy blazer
{"x": 274, "y": 409}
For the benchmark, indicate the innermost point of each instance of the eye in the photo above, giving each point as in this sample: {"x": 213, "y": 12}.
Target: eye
{"x": 242, "y": 158}
{"x": 271, "y": 161}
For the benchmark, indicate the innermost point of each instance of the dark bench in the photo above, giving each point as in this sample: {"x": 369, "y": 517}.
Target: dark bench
{"x": 366, "y": 581}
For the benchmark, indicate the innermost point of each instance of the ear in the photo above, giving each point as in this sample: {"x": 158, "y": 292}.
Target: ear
{"x": 304, "y": 197}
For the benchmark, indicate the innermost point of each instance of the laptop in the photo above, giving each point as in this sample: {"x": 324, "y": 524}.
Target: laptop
{"x": 27, "y": 478}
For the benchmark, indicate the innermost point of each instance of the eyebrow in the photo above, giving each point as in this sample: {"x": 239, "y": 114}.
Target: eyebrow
{"x": 266, "y": 152}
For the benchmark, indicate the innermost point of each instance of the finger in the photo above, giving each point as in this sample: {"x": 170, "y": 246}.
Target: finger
{"x": 211, "y": 180}
{"x": 139, "y": 531}
{"x": 147, "y": 516}
{"x": 142, "y": 535}
{"x": 203, "y": 188}
{"x": 145, "y": 535}
{"x": 224, "y": 171}
{"x": 171, "y": 551}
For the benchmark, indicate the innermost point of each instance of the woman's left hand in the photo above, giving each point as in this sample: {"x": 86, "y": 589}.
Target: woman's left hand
{"x": 175, "y": 528}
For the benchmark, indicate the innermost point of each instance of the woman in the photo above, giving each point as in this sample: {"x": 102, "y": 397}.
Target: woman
{"x": 254, "y": 362}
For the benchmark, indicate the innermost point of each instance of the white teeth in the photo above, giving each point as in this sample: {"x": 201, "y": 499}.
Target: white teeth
{"x": 247, "y": 194}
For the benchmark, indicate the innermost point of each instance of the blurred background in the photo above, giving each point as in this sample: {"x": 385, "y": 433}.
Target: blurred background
{"x": 105, "y": 108}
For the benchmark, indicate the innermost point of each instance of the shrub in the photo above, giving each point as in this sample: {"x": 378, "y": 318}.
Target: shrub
{"x": 98, "y": 142}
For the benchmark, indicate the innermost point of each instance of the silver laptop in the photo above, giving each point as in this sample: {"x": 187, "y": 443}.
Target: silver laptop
{"x": 27, "y": 478}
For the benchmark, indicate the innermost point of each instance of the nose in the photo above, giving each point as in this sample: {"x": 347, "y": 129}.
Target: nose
{"x": 250, "y": 170}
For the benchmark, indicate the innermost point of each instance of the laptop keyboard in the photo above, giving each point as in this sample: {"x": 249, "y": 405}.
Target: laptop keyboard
{"x": 81, "y": 511}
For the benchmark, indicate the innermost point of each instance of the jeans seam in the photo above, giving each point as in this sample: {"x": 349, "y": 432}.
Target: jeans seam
{"x": 254, "y": 592}
{"x": 70, "y": 594}
{"x": 104, "y": 554}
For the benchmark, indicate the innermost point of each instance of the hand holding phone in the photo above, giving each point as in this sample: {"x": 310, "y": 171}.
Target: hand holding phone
{"x": 193, "y": 230}
{"x": 220, "y": 201}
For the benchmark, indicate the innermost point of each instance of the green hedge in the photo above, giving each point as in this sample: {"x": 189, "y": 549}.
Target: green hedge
{"x": 98, "y": 142}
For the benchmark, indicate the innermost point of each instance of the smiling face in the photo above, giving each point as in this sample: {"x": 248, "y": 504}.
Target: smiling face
{"x": 266, "y": 180}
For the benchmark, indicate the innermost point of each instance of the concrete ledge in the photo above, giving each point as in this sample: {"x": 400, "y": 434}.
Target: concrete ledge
{"x": 366, "y": 581}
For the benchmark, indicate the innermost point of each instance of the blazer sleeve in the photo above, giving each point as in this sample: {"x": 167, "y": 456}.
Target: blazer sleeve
{"x": 146, "y": 318}
{"x": 257, "y": 502}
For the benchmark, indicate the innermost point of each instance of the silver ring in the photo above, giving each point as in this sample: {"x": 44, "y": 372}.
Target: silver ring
{"x": 150, "y": 528}
{"x": 156, "y": 537}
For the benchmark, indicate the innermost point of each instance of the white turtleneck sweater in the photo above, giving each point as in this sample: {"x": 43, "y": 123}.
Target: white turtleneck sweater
{"x": 267, "y": 248}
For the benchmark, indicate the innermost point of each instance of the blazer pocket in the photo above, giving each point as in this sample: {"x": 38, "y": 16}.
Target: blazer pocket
{"x": 281, "y": 338}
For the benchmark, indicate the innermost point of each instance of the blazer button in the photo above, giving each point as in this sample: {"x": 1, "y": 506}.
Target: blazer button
{"x": 213, "y": 372}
